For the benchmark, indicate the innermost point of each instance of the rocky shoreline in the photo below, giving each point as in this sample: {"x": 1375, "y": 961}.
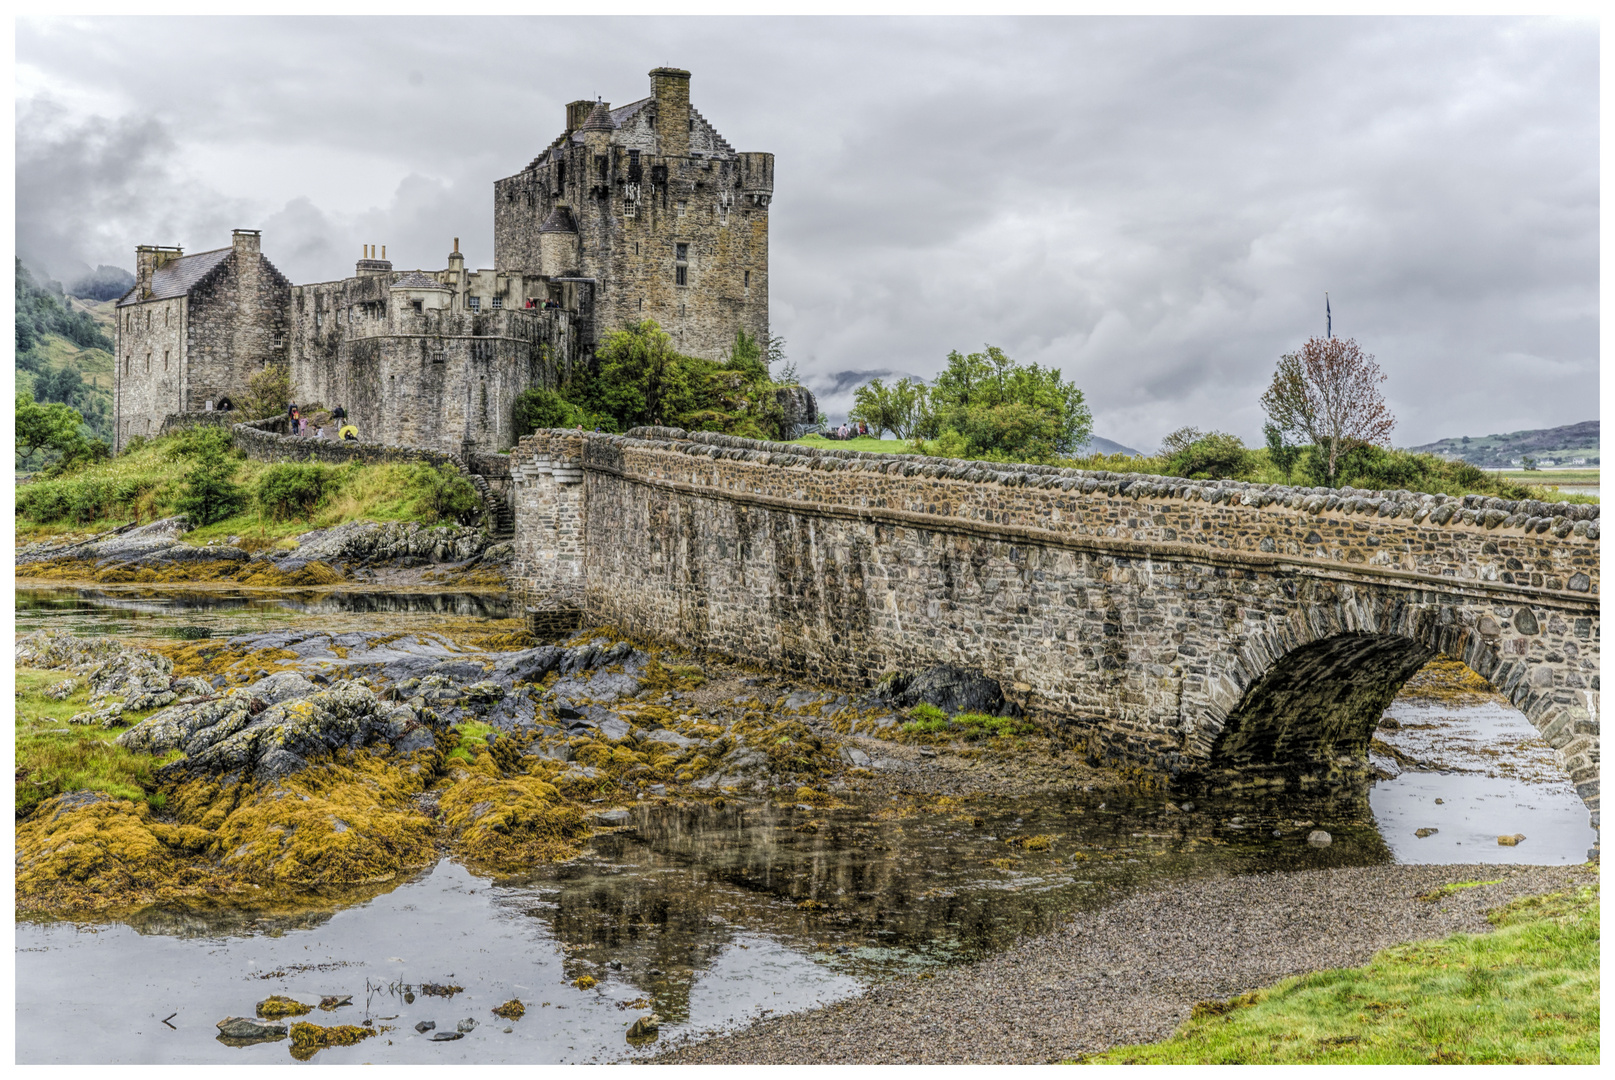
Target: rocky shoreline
{"x": 299, "y": 759}
{"x": 1132, "y": 972}
{"x": 384, "y": 553}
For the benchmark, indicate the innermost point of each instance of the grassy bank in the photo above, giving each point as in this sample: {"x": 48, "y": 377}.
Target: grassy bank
{"x": 1528, "y": 992}
{"x": 148, "y": 481}
{"x": 53, "y": 758}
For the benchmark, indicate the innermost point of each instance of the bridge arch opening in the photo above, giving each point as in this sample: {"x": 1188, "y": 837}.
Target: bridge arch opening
{"x": 1312, "y": 714}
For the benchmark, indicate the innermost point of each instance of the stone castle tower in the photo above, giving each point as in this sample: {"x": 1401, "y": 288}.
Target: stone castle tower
{"x": 650, "y": 210}
{"x": 638, "y": 212}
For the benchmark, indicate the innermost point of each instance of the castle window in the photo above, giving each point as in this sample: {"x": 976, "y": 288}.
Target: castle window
{"x": 148, "y": 355}
{"x": 681, "y": 269}
{"x": 748, "y": 282}
{"x": 681, "y": 207}
{"x": 600, "y": 165}
{"x": 416, "y": 304}
{"x": 475, "y": 302}
{"x": 148, "y": 320}
{"x": 165, "y": 359}
{"x": 633, "y": 167}
{"x": 498, "y": 302}
{"x": 560, "y": 176}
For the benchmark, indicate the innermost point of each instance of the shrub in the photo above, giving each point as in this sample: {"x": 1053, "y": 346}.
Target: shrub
{"x": 442, "y": 494}
{"x": 289, "y": 489}
{"x": 268, "y": 393}
{"x": 1212, "y": 456}
{"x": 538, "y": 407}
{"x": 210, "y": 493}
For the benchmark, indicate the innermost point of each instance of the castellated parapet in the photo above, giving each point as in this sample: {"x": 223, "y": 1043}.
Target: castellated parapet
{"x": 638, "y": 212}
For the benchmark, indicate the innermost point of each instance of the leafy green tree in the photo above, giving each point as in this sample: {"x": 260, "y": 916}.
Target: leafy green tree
{"x": 636, "y": 378}
{"x": 210, "y": 492}
{"x": 44, "y": 428}
{"x": 1001, "y": 409}
{"x": 746, "y": 356}
{"x": 268, "y": 393}
{"x": 538, "y": 407}
{"x": 894, "y": 408}
{"x": 1280, "y": 452}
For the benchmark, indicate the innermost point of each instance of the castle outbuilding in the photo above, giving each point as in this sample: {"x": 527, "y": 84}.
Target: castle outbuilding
{"x": 639, "y": 212}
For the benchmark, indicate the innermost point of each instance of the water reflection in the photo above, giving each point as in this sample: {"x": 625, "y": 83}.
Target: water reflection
{"x": 151, "y": 611}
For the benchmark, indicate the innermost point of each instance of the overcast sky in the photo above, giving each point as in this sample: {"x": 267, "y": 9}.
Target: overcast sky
{"x": 1156, "y": 207}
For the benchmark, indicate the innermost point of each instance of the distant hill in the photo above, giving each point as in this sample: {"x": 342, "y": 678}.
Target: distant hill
{"x": 1098, "y": 445}
{"x": 64, "y": 350}
{"x": 1560, "y": 445}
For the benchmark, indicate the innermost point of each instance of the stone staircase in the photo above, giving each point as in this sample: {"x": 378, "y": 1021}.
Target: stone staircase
{"x": 496, "y": 515}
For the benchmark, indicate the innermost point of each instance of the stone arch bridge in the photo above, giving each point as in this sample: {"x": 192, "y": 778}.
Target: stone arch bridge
{"x": 1194, "y": 626}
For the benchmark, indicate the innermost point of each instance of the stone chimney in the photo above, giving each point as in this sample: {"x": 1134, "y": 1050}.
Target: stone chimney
{"x": 245, "y": 241}
{"x": 577, "y": 113}
{"x": 150, "y": 258}
{"x": 371, "y": 264}
{"x": 671, "y": 88}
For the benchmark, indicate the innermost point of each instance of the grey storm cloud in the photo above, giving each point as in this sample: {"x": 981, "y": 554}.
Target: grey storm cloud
{"x": 1155, "y": 206}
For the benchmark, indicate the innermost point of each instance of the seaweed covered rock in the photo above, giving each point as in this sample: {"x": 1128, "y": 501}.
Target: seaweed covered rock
{"x": 236, "y": 735}
{"x": 349, "y": 822}
{"x": 85, "y": 850}
{"x": 502, "y": 822}
{"x": 121, "y": 678}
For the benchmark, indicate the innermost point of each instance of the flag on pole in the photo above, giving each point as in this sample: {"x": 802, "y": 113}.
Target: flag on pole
{"x": 1328, "y": 317}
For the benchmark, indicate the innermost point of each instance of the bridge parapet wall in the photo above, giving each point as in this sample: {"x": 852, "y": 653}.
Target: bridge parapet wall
{"x": 1141, "y": 610}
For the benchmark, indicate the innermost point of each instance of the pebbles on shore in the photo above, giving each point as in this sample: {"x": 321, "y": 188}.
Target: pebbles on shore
{"x": 1130, "y": 973}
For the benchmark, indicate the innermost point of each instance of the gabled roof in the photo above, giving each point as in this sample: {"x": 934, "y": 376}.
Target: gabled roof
{"x": 414, "y": 279}
{"x": 560, "y": 220}
{"x": 179, "y": 277}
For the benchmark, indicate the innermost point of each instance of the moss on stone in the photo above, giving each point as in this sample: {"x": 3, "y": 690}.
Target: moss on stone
{"x": 511, "y": 1010}
{"x": 309, "y": 1039}
{"x": 500, "y": 823}
{"x": 275, "y": 1006}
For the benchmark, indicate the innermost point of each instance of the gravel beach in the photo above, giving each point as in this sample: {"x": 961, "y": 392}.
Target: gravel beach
{"x": 1130, "y": 973}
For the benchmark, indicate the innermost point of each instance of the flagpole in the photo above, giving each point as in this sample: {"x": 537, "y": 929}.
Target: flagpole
{"x": 1328, "y": 317}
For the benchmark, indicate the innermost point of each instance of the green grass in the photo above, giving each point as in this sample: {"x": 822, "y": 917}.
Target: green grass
{"x": 870, "y": 445}
{"x": 925, "y": 719}
{"x": 472, "y": 734}
{"x": 1527, "y": 992}
{"x": 144, "y": 483}
{"x": 51, "y": 761}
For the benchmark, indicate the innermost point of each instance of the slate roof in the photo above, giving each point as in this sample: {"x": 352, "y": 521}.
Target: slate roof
{"x": 624, "y": 113}
{"x": 599, "y": 119}
{"x": 560, "y": 220}
{"x": 179, "y": 277}
{"x": 414, "y": 279}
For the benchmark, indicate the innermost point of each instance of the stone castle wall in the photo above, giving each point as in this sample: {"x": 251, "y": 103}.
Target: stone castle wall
{"x": 625, "y": 199}
{"x": 1138, "y": 614}
{"x": 236, "y": 325}
{"x": 150, "y": 367}
{"x": 423, "y": 378}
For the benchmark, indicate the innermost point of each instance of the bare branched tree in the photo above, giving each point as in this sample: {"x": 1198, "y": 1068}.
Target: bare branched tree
{"x": 1328, "y": 393}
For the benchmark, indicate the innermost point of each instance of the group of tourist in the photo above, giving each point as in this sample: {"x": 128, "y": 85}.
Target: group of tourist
{"x": 849, "y": 431}
{"x": 299, "y": 424}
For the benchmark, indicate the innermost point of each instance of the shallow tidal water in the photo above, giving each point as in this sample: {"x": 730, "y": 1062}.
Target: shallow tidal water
{"x": 711, "y": 916}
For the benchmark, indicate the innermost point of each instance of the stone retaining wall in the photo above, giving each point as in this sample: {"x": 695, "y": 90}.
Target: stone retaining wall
{"x": 260, "y": 444}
